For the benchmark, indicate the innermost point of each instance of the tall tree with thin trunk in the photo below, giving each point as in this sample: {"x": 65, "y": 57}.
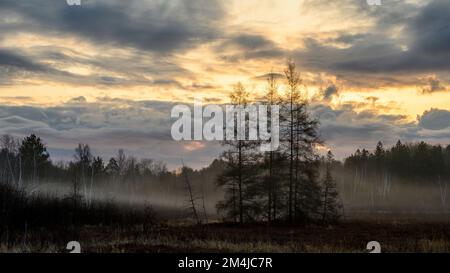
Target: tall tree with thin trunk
{"x": 240, "y": 159}
{"x": 292, "y": 100}
{"x": 271, "y": 158}
{"x": 299, "y": 137}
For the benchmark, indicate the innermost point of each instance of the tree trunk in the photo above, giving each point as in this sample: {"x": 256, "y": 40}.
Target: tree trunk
{"x": 291, "y": 160}
{"x": 271, "y": 187}
{"x": 241, "y": 209}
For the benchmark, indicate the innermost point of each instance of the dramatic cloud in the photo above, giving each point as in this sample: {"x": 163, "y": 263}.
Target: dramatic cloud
{"x": 108, "y": 72}
{"x": 421, "y": 45}
{"x": 12, "y": 60}
{"x": 160, "y": 26}
{"x": 249, "y": 46}
{"x": 345, "y": 128}
{"x": 142, "y": 128}
{"x": 435, "y": 119}
{"x": 151, "y": 32}
{"x": 433, "y": 85}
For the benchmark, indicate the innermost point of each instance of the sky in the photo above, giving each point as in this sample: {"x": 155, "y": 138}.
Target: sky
{"x": 107, "y": 73}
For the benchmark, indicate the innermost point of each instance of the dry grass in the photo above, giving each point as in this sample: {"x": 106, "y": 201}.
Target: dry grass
{"x": 345, "y": 237}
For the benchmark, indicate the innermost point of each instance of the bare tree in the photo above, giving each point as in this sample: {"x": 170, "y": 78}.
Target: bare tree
{"x": 83, "y": 160}
{"x": 184, "y": 172}
{"x": 293, "y": 97}
{"x": 271, "y": 98}
{"x": 10, "y": 147}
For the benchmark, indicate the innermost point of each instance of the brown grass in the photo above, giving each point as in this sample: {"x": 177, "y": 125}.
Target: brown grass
{"x": 348, "y": 236}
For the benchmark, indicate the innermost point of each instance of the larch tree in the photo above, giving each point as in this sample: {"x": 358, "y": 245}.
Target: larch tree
{"x": 272, "y": 161}
{"x": 239, "y": 177}
{"x": 300, "y": 135}
{"x": 292, "y": 100}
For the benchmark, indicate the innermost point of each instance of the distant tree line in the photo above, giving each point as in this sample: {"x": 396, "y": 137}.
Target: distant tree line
{"x": 410, "y": 161}
{"x": 27, "y": 160}
{"x": 25, "y": 164}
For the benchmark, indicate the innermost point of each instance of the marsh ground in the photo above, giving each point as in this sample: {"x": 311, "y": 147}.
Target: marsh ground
{"x": 348, "y": 236}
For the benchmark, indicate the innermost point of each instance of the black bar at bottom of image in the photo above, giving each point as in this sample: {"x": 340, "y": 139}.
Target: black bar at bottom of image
{"x": 197, "y": 262}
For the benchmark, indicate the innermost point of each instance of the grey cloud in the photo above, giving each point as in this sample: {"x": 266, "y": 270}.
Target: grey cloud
{"x": 349, "y": 38}
{"x": 160, "y": 26}
{"x": 147, "y": 29}
{"x": 435, "y": 119}
{"x": 344, "y": 128}
{"x": 142, "y": 128}
{"x": 248, "y": 46}
{"x": 391, "y": 12}
{"x": 433, "y": 85}
{"x": 330, "y": 91}
{"x": 14, "y": 66}
{"x": 48, "y": 62}
{"x": 10, "y": 59}
{"x": 423, "y": 45}
{"x": 203, "y": 86}
{"x": 268, "y": 75}
{"x": 431, "y": 29}
{"x": 77, "y": 100}
{"x": 77, "y": 113}
{"x": 168, "y": 82}
{"x": 249, "y": 42}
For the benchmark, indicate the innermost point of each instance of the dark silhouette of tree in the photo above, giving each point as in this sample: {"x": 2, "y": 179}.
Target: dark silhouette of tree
{"x": 113, "y": 170}
{"x": 83, "y": 169}
{"x": 192, "y": 198}
{"x": 276, "y": 183}
{"x": 307, "y": 192}
{"x": 293, "y": 102}
{"x": 300, "y": 135}
{"x": 400, "y": 159}
{"x": 240, "y": 175}
{"x": 10, "y": 161}
{"x": 331, "y": 206}
{"x": 34, "y": 157}
{"x": 273, "y": 161}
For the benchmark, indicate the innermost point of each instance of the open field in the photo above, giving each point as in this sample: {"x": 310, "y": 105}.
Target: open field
{"x": 348, "y": 236}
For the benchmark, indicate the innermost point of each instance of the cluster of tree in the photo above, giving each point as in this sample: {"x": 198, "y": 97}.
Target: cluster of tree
{"x": 283, "y": 184}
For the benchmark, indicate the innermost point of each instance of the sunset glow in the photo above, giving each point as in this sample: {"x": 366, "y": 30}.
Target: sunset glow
{"x": 72, "y": 73}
